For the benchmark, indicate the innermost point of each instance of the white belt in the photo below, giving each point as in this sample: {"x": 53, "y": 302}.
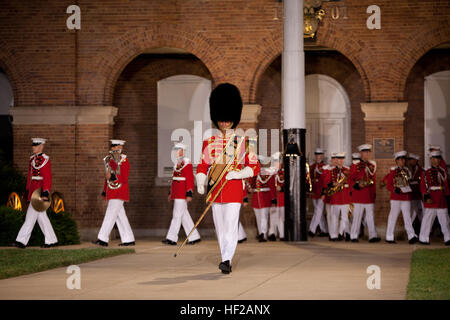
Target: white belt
{"x": 261, "y": 190}
{"x": 436, "y": 188}
{"x": 179, "y": 178}
{"x": 37, "y": 178}
{"x": 413, "y": 182}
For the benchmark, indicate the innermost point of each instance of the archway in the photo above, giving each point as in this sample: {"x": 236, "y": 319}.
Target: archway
{"x": 6, "y": 102}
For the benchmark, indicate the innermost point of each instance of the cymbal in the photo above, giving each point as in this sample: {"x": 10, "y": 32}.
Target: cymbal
{"x": 39, "y": 204}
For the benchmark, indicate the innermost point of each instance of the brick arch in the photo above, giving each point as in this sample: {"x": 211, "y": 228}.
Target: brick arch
{"x": 415, "y": 47}
{"x": 269, "y": 48}
{"x": 20, "y": 80}
{"x": 124, "y": 49}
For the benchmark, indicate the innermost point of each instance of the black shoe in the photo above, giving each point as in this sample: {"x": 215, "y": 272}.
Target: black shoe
{"x": 311, "y": 234}
{"x": 261, "y": 238}
{"x": 126, "y": 244}
{"x": 447, "y": 243}
{"x": 170, "y": 242}
{"x": 46, "y": 246}
{"x": 18, "y": 244}
{"x": 355, "y": 240}
{"x": 373, "y": 240}
{"x": 100, "y": 243}
{"x": 413, "y": 240}
{"x": 390, "y": 241}
{"x": 427, "y": 243}
{"x": 54, "y": 244}
{"x": 272, "y": 237}
{"x": 242, "y": 240}
{"x": 347, "y": 237}
{"x": 225, "y": 267}
{"x": 323, "y": 234}
{"x": 283, "y": 239}
{"x": 193, "y": 242}
{"x": 334, "y": 239}
{"x": 340, "y": 237}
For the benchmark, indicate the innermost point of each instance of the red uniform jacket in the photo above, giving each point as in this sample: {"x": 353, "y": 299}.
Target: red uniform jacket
{"x": 213, "y": 148}
{"x": 279, "y": 184}
{"x": 363, "y": 171}
{"x": 414, "y": 183}
{"x": 264, "y": 190}
{"x": 121, "y": 193}
{"x": 325, "y": 176}
{"x": 396, "y": 172}
{"x": 39, "y": 174}
{"x": 332, "y": 176}
{"x": 434, "y": 182}
{"x": 182, "y": 180}
{"x": 315, "y": 171}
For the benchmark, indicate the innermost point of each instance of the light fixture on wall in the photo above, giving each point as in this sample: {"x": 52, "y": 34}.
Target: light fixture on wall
{"x": 277, "y": 6}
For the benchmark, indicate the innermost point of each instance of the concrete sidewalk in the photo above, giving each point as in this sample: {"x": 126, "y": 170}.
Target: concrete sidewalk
{"x": 317, "y": 269}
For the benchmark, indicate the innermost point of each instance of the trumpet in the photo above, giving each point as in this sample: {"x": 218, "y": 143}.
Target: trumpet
{"x": 112, "y": 155}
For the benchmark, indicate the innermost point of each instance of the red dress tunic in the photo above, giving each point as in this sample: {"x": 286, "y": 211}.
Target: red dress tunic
{"x": 182, "y": 180}
{"x": 213, "y": 149}
{"x": 363, "y": 170}
{"x": 279, "y": 183}
{"x": 396, "y": 172}
{"x": 315, "y": 171}
{"x": 434, "y": 182}
{"x": 39, "y": 174}
{"x": 332, "y": 176}
{"x": 121, "y": 193}
{"x": 264, "y": 191}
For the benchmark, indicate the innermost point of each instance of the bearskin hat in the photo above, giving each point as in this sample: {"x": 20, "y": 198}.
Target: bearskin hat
{"x": 225, "y": 104}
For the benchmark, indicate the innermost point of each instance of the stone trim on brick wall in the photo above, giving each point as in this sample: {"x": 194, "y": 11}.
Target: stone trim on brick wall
{"x": 54, "y": 115}
{"x": 384, "y": 111}
{"x": 250, "y": 113}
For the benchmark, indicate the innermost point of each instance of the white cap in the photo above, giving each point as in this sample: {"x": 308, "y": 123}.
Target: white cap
{"x": 435, "y": 147}
{"x": 413, "y": 156}
{"x": 399, "y": 154}
{"x": 38, "y": 141}
{"x": 356, "y": 155}
{"x": 340, "y": 154}
{"x": 334, "y": 154}
{"x": 276, "y": 156}
{"x": 319, "y": 151}
{"x": 179, "y": 145}
{"x": 117, "y": 142}
{"x": 436, "y": 153}
{"x": 262, "y": 158}
{"x": 365, "y": 147}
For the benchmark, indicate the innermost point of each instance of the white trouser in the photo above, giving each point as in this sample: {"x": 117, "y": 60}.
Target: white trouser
{"x": 226, "y": 222}
{"x": 276, "y": 225}
{"x": 262, "y": 220}
{"x": 115, "y": 213}
{"x": 416, "y": 210}
{"x": 405, "y": 208}
{"x": 44, "y": 223}
{"x": 427, "y": 222}
{"x": 328, "y": 217}
{"x": 359, "y": 209}
{"x": 318, "y": 218}
{"x": 241, "y": 232}
{"x": 334, "y": 226}
{"x": 181, "y": 217}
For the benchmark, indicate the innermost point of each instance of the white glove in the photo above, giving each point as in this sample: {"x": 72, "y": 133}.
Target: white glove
{"x": 247, "y": 172}
{"x": 200, "y": 178}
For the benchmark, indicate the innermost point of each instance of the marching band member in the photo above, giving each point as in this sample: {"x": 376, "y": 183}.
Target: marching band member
{"x": 363, "y": 188}
{"x": 277, "y": 212}
{"x": 181, "y": 194}
{"x": 39, "y": 176}
{"x": 318, "y": 203}
{"x": 414, "y": 182}
{"x": 442, "y": 164}
{"x": 356, "y": 158}
{"x": 398, "y": 184}
{"x": 434, "y": 187}
{"x": 263, "y": 199}
{"x": 116, "y": 192}
{"x": 226, "y": 169}
{"x": 325, "y": 198}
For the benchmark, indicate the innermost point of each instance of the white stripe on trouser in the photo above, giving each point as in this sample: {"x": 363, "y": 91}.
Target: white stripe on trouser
{"x": 318, "y": 218}
{"x": 241, "y": 232}
{"x": 226, "y": 222}
{"x": 427, "y": 222}
{"x": 181, "y": 217}
{"x": 262, "y": 220}
{"x": 416, "y": 210}
{"x": 276, "y": 225}
{"x": 405, "y": 208}
{"x": 359, "y": 209}
{"x": 115, "y": 213}
{"x": 44, "y": 223}
{"x": 336, "y": 211}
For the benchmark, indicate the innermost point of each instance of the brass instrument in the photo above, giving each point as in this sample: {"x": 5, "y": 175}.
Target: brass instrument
{"x": 338, "y": 187}
{"x": 113, "y": 155}
{"x": 365, "y": 183}
{"x": 402, "y": 180}
{"x": 308, "y": 177}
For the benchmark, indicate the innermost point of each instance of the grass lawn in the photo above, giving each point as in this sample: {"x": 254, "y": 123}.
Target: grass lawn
{"x": 16, "y": 262}
{"x": 430, "y": 275}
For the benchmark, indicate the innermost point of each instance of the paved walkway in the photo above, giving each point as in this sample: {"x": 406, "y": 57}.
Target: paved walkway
{"x": 317, "y": 269}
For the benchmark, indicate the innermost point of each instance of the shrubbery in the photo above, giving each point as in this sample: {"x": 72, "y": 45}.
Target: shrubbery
{"x": 11, "y": 221}
{"x": 11, "y": 180}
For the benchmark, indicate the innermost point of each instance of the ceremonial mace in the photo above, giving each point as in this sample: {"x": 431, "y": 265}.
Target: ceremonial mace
{"x": 210, "y": 203}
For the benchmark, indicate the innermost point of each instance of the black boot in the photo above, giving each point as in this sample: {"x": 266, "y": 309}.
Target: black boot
{"x": 225, "y": 267}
